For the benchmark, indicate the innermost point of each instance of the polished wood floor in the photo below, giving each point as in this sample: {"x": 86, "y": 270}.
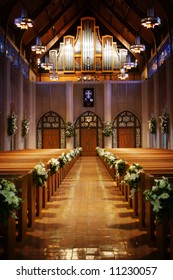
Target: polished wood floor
{"x": 87, "y": 219}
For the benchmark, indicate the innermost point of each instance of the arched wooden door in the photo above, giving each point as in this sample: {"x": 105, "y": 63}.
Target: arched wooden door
{"x": 126, "y": 131}
{"x": 50, "y": 131}
{"x": 88, "y": 133}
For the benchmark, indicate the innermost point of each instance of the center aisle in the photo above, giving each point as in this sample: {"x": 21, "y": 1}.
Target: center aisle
{"x": 87, "y": 219}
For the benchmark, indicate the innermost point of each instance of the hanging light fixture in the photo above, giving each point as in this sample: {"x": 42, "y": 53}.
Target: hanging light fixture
{"x": 23, "y": 22}
{"x": 129, "y": 64}
{"x": 123, "y": 75}
{"x": 47, "y": 66}
{"x": 150, "y": 21}
{"x": 137, "y": 47}
{"x": 38, "y": 48}
{"x": 54, "y": 77}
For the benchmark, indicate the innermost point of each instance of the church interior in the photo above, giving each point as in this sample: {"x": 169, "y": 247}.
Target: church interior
{"x": 86, "y": 121}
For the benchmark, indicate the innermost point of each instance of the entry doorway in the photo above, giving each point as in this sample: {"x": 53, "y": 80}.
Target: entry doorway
{"x": 50, "y": 138}
{"x": 88, "y": 141}
{"x": 126, "y": 137}
{"x": 51, "y": 132}
{"x": 88, "y": 133}
{"x": 126, "y": 131}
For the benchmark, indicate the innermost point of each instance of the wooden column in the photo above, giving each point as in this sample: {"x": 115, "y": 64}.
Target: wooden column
{"x": 69, "y": 112}
{"x": 107, "y": 110}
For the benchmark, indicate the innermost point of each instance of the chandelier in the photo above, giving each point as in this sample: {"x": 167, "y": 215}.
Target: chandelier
{"x": 38, "y": 48}
{"x": 87, "y": 78}
{"x": 123, "y": 75}
{"x": 23, "y": 22}
{"x": 129, "y": 64}
{"x": 47, "y": 66}
{"x": 150, "y": 21}
{"x": 137, "y": 47}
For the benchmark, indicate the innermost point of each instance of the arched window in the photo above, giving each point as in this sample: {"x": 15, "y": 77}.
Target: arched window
{"x": 51, "y": 131}
{"x": 126, "y": 131}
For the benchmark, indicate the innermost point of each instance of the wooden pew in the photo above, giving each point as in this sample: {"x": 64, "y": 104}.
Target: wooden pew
{"x": 156, "y": 163}
{"x": 18, "y": 166}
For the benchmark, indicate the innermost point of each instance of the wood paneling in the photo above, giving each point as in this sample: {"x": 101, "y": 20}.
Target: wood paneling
{"x": 51, "y": 138}
{"x": 126, "y": 138}
{"x": 88, "y": 141}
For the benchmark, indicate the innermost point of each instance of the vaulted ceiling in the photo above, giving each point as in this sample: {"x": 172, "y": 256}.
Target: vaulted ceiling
{"x": 55, "y": 18}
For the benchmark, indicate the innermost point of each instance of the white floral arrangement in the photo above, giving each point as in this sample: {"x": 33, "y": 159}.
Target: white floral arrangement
{"x": 109, "y": 157}
{"x": 9, "y": 200}
{"x": 161, "y": 198}
{"x": 69, "y": 129}
{"x": 100, "y": 151}
{"x": 75, "y": 152}
{"x": 120, "y": 166}
{"x": 63, "y": 159}
{"x": 107, "y": 129}
{"x": 54, "y": 165}
{"x": 164, "y": 123}
{"x": 12, "y": 124}
{"x": 78, "y": 150}
{"x": 40, "y": 174}
{"x": 25, "y": 127}
{"x": 132, "y": 177}
{"x": 152, "y": 125}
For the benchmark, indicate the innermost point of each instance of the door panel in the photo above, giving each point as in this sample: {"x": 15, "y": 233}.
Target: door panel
{"x": 126, "y": 137}
{"x": 50, "y": 138}
{"x": 88, "y": 141}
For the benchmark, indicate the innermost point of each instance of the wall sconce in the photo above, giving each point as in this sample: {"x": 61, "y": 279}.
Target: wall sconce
{"x": 23, "y": 22}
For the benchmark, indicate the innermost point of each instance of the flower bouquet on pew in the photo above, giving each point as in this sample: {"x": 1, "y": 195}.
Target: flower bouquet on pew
{"x": 161, "y": 198}
{"x": 9, "y": 200}
{"x": 40, "y": 174}
{"x": 64, "y": 159}
{"x": 54, "y": 165}
{"x": 120, "y": 166}
{"x": 132, "y": 177}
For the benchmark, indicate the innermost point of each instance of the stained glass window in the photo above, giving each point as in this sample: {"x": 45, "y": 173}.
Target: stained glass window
{"x": 152, "y": 67}
{"x": 164, "y": 53}
{"x": 1, "y": 42}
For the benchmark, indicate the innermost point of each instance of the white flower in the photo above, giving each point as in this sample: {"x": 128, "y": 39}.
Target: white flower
{"x": 133, "y": 176}
{"x": 162, "y": 184}
{"x": 156, "y": 205}
{"x": 164, "y": 196}
{"x": 53, "y": 161}
{"x": 132, "y": 168}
